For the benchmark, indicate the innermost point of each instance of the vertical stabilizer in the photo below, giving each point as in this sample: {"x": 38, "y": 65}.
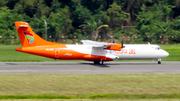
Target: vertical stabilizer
{"x": 28, "y": 37}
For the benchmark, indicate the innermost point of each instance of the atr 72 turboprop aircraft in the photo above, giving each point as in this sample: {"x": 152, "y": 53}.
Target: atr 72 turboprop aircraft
{"x": 98, "y": 52}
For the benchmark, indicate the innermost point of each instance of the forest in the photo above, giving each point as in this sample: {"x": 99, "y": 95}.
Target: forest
{"x": 69, "y": 21}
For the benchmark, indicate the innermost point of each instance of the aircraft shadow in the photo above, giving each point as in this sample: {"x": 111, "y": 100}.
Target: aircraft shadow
{"x": 11, "y": 63}
{"x": 96, "y": 65}
{"x": 131, "y": 64}
{"x": 105, "y": 65}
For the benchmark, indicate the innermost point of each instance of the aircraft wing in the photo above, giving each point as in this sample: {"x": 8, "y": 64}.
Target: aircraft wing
{"x": 96, "y": 44}
{"x": 109, "y": 46}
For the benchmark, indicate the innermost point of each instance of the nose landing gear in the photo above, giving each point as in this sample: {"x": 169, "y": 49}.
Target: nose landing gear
{"x": 159, "y": 61}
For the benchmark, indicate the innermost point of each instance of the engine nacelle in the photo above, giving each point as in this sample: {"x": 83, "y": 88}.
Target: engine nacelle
{"x": 116, "y": 47}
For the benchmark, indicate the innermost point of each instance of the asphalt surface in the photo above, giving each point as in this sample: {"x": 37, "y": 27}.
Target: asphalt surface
{"x": 88, "y": 68}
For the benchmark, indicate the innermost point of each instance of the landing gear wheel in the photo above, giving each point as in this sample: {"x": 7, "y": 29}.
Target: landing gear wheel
{"x": 159, "y": 62}
{"x": 101, "y": 62}
{"x": 96, "y": 62}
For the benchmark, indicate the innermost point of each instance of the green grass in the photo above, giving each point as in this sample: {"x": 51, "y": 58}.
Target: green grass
{"x": 8, "y": 54}
{"x": 94, "y": 96}
{"x": 91, "y": 100}
{"x": 90, "y": 86}
{"x": 73, "y": 84}
{"x": 174, "y": 52}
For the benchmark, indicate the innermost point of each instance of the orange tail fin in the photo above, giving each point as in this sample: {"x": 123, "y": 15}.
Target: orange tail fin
{"x": 28, "y": 37}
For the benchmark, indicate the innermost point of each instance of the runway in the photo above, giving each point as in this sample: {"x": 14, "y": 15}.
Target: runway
{"x": 88, "y": 68}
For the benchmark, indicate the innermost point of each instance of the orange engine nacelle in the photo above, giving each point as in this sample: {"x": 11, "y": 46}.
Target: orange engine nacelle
{"x": 116, "y": 47}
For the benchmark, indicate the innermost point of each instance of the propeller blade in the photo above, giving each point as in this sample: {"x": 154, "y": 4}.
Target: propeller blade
{"x": 113, "y": 41}
{"x": 122, "y": 44}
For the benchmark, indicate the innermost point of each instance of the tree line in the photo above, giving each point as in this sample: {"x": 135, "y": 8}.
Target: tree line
{"x": 69, "y": 21}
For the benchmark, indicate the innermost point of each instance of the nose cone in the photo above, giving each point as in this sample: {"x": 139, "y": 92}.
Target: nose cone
{"x": 165, "y": 54}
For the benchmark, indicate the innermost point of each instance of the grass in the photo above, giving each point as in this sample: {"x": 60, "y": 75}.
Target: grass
{"x": 90, "y": 86}
{"x": 95, "y": 96}
{"x": 174, "y": 52}
{"x": 91, "y": 100}
{"x": 8, "y": 54}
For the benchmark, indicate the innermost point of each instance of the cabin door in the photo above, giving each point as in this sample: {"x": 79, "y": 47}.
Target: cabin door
{"x": 57, "y": 53}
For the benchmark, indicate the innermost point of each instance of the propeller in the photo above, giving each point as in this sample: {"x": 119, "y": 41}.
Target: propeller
{"x": 122, "y": 44}
{"x": 115, "y": 46}
{"x": 113, "y": 41}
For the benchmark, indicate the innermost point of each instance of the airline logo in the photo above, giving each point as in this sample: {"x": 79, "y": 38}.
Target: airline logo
{"x": 29, "y": 36}
{"x": 123, "y": 51}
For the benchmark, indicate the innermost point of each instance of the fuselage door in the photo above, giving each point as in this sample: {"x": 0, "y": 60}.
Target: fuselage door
{"x": 57, "y": 53}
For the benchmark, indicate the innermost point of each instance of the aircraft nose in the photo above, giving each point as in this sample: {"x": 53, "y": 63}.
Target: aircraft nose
{"x": 166, "y": 53}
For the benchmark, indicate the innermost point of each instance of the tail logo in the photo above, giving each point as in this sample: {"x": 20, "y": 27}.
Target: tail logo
{"x": 29, "y": 36}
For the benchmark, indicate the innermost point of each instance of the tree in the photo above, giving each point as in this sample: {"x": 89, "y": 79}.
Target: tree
{"x": 117, "y": 16}
{"x": 153, "y": 24}
{"x": 32, "y": 7}
{"x": 81, "y": 14}
{"x": 3, "y": 3}
{"x": 60, "y": 24}
{"x": 8, "y": 30}
{"x": 93, "y": 29}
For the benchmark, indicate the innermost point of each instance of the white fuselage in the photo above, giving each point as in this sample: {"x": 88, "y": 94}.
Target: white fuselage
{"x": 134, "y": 51}
{"x": 140, "y": 52}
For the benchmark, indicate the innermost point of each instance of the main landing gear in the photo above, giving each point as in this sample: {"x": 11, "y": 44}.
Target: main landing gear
{"x": 96, "y": 62}
{"x": 159, "y": 61}
{"x": 99, "y": 62}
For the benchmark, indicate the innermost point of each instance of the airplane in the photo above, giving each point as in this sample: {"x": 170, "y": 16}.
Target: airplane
{"x": 134, "y": 51}
{"x": 98, "y": 52}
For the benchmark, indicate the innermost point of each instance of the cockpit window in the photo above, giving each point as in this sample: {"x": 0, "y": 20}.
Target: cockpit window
{"x": 158, "y": 48}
